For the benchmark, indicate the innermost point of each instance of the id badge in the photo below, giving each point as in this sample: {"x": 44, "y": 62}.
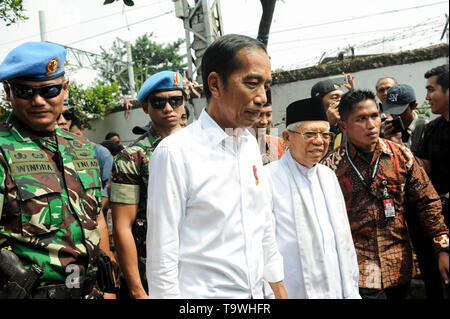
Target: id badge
{"x": 389, "y": 209}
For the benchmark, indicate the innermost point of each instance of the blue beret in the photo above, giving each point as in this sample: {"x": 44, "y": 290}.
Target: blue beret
{"x": 37, "y": 61}
{"x": 161, "y": 81}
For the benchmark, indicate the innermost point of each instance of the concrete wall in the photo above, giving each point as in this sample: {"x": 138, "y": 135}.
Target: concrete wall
{"x": 407, "y": 67}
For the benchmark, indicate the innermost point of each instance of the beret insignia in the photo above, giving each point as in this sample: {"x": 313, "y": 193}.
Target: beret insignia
{"x": 52, "y": 66}
{"x": 176, "y": 79}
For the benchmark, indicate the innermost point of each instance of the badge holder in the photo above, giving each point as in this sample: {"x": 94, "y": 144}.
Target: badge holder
{"x": 388, "y": 204}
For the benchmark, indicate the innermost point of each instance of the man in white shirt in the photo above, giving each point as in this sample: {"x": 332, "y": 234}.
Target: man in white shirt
{"x": 311, "y": 224}
{"x": 210, "y": 233}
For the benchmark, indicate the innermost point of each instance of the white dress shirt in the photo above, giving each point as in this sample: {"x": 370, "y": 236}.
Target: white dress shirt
{"x": 210, "y": 233}
{"x": 286, "y": 231}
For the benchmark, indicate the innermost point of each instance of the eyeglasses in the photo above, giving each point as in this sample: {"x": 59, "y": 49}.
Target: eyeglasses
{"x": 310, "y": 135}
{"x": 160, "y": 102}
{"x": 27, "y": 92}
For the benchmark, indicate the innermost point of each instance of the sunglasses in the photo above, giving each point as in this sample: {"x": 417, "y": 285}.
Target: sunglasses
{"x": 160, "y": 102}
{"x": 27, "y": 92}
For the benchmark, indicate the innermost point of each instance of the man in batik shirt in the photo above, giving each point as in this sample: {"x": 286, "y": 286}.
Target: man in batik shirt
{"x": 378, "y": 179}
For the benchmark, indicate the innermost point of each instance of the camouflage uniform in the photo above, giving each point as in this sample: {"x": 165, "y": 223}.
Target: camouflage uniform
{"x": 46, "y": 217}
{"x": 129, "y": 186}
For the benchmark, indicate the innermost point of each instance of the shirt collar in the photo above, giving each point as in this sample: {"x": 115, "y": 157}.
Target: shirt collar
{"x": 215, "y": 133}
{"x": 303, "y": 170}
{"x": 22, "y": 133}
{"x": 413, "y": 124}
{"x": 152, "y": 134}
{"x": 382, "y": 147}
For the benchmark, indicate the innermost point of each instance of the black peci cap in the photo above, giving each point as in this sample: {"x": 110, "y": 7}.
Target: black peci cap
{"x": 305, "y": 110}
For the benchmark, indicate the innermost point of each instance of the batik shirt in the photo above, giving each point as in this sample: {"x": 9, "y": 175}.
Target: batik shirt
{"x": 382, "y": 243}
{"x": 274, "y": 149}
{"x": 50, "y": 197}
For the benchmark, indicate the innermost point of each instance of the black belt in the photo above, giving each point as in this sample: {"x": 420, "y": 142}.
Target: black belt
{"x": 61, "y": 291}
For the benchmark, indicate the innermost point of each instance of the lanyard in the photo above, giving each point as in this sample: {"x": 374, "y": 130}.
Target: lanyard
{"x": 374, "y": 171}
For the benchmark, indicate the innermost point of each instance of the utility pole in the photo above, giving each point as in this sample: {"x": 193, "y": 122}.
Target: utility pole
{"x": 42, "y": 26}
{"x": 115, "y": 68}
{"x": 203, "y": 25}
{"x": 130, "y": 71}
{"x": 445, "y": 31}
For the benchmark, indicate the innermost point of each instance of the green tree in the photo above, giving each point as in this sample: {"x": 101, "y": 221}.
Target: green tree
{"x": 91, "y": 103}
{"x": 424, "y": 110}
{"x": 11, "y": 11}
{"x": 94, "y": 102}
{"x": 148, "y": 56}
{"x": 5, "y": 106}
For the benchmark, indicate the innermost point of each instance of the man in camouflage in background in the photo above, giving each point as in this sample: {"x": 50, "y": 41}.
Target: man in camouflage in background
{"x": 50, "y": 188}
{"x": 162, "y": 98}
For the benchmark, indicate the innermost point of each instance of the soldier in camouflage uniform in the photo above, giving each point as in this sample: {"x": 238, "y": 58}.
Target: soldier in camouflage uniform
{"x": 162, "y": 97}
{"x": 50, "y": 188}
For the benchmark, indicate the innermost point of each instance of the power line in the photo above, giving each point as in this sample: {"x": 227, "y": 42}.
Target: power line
{"x": 359, "y": 17}
{"x": 122, "y": 27}
{"x": 417, "y": 32}
{"x": 349, "y": 19}
{"x": 82, "y": 22}
{"x": 429, "y": 23}
{"x": 338, "y": 36}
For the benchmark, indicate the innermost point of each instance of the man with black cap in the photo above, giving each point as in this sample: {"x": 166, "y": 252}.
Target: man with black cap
{"x": 271, "y": 147}
{"x": 162, "y": 98}
{"x": 378, "y": 179}
{"x": 311, "y": 223}
{"x": 330, "y": 94}
{"x": 405, "y": 126}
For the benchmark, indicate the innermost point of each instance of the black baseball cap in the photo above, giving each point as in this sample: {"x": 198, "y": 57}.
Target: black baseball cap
{"x": 398, "y": 98}
{"x": 322, "y": 88}
{"x": 139, "y": 130}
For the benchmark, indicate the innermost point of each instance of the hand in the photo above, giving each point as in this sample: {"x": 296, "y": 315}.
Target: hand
{"x": 333, "y": 113}
{"x": 351, "y": 81}
{"x": 443, "y": 266}
{"x": 108, "y": 187}
{"x": 108, "y": 295}
{"x": 394, "y": 137}
{"x": 279, "y": 290}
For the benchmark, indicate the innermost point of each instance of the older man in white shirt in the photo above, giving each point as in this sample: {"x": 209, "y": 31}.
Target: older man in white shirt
{"x": 210, "y": 233}
{"x": 312, "y": 228}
